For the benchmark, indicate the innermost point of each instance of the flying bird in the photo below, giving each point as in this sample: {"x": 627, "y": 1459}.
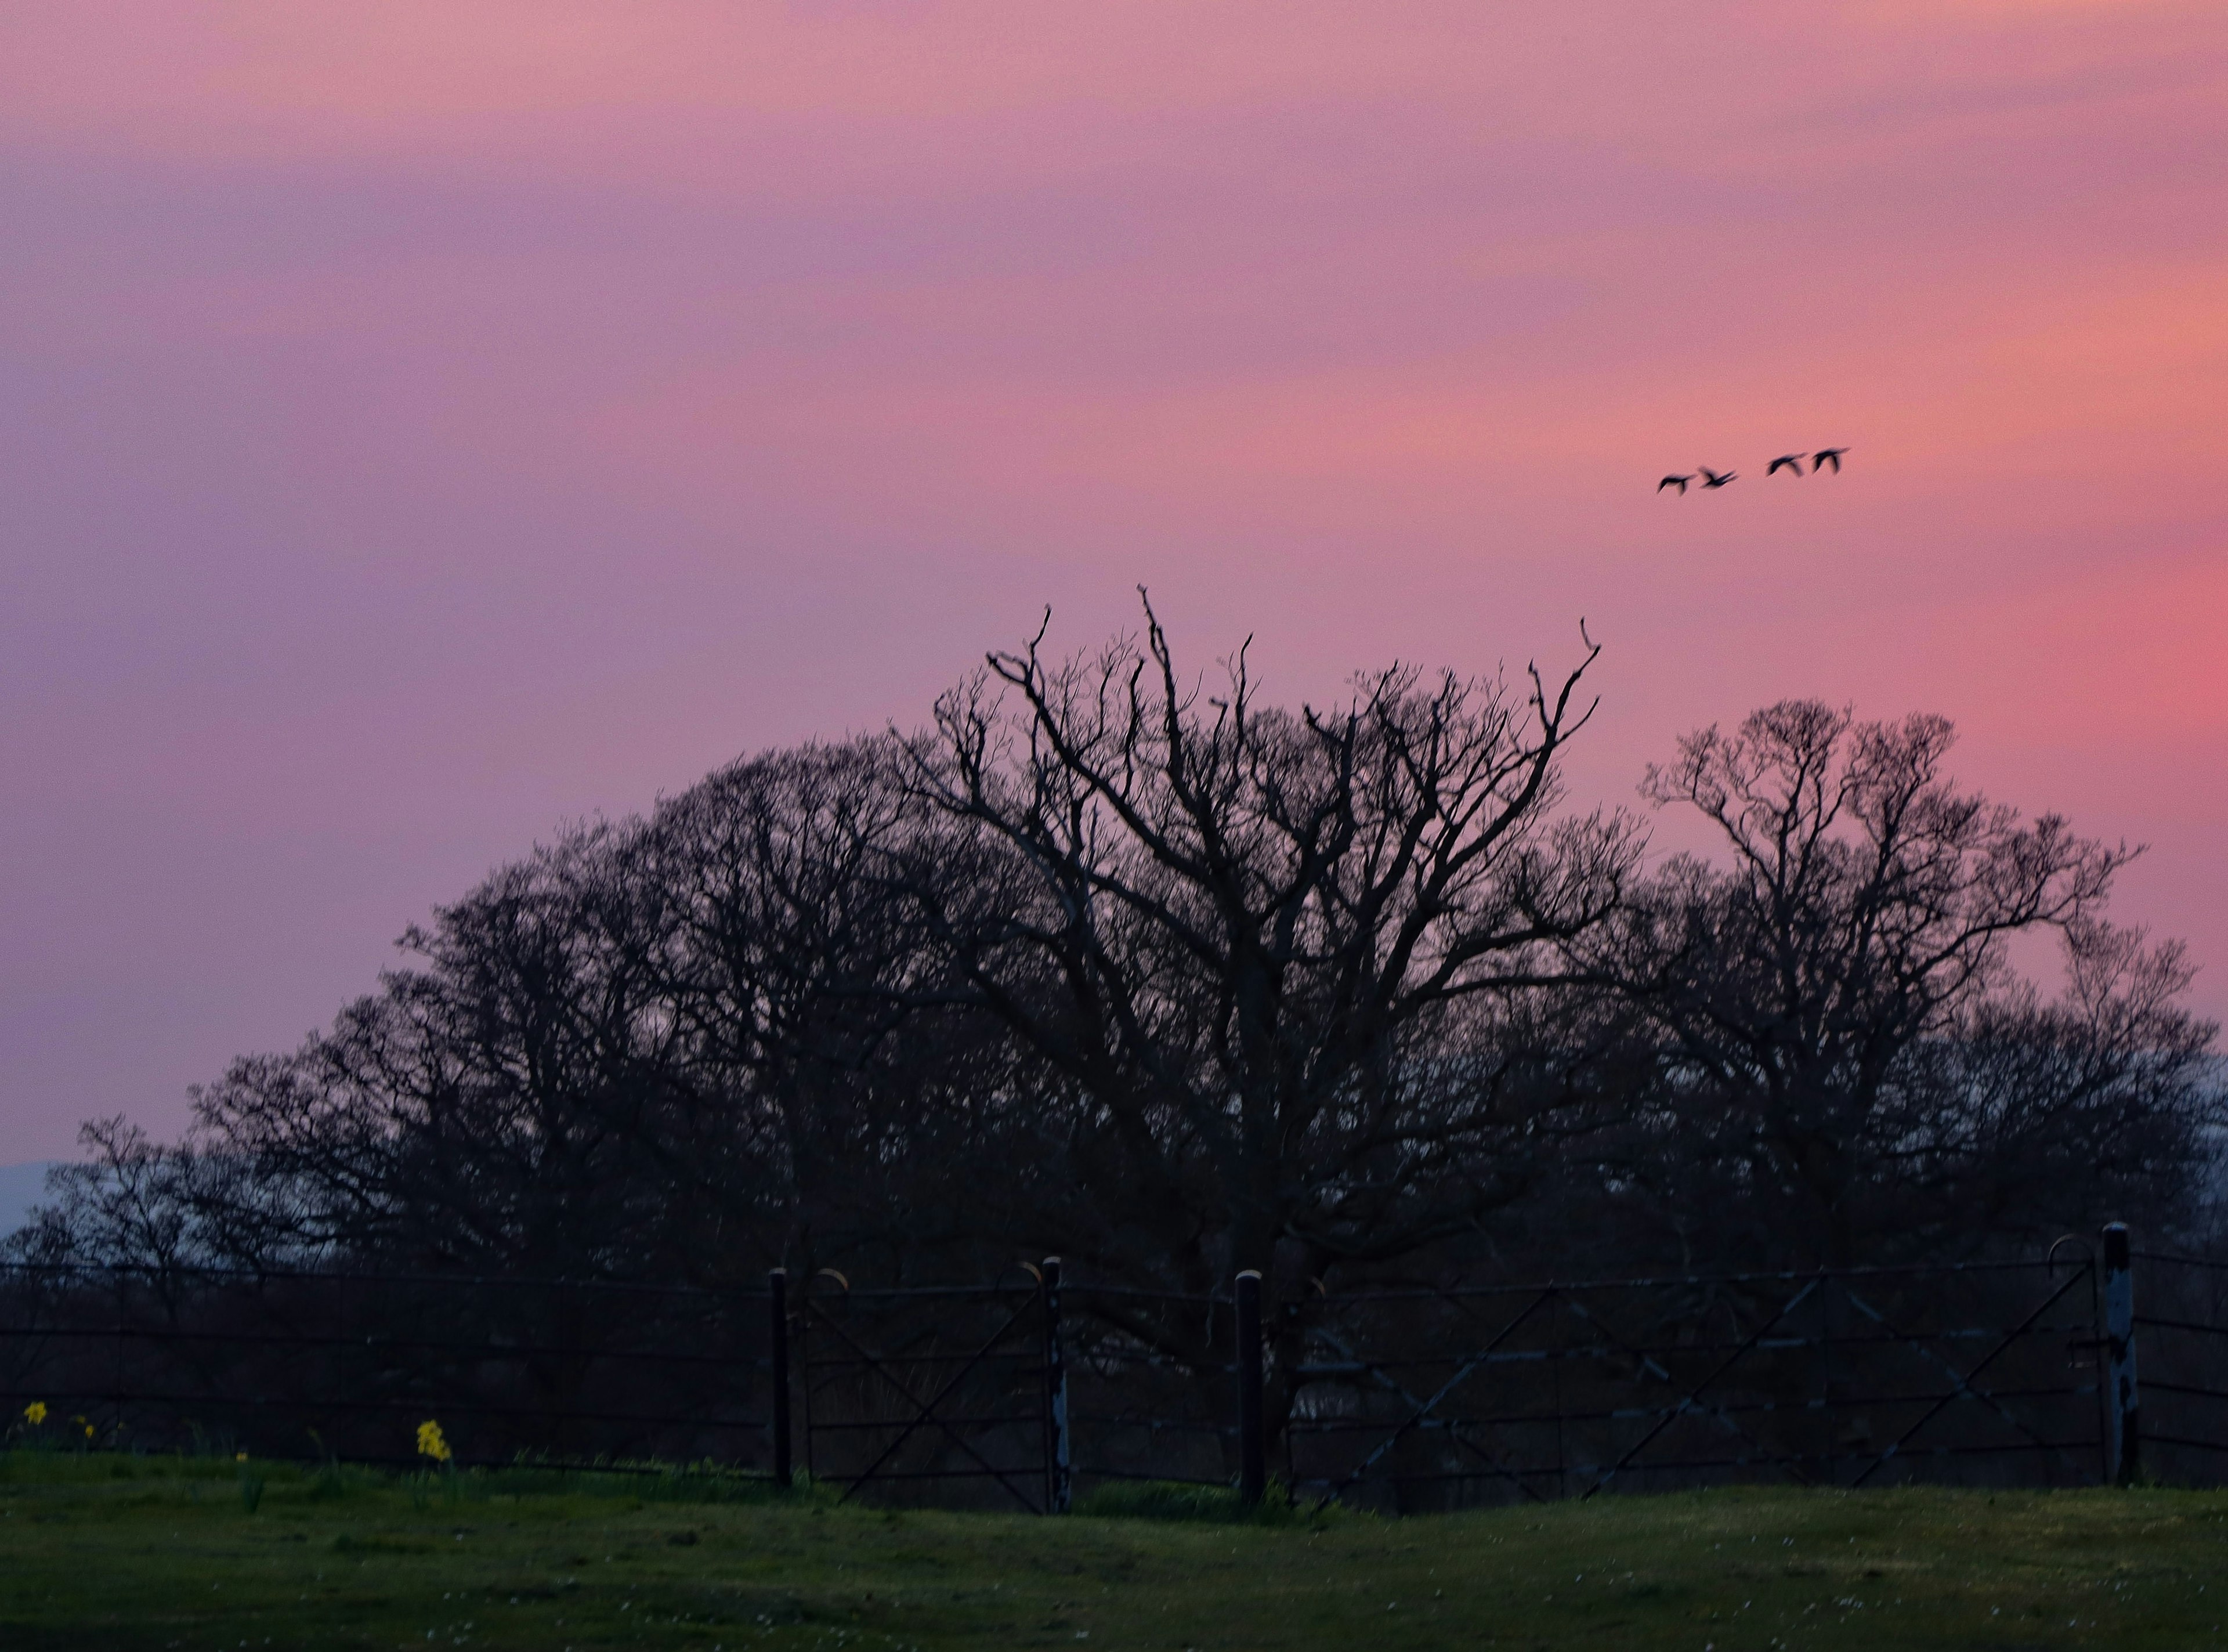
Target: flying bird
{"x": 1826, "y": 456}
{"x": 1678, "y": 482}
{"x": 1716, "y": 479}
{"x": 1786, "y": 462}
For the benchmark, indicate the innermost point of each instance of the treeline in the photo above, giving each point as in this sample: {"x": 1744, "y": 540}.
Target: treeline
{"x": 1170, "y": 982}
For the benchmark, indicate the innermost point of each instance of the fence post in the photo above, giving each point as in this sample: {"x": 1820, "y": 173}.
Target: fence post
{"x": 1251, "y": 1478}
{"x": 1059, "y": 1483}
{"x": 2123, "y": 1433}
{"x": 777, "y": 1369}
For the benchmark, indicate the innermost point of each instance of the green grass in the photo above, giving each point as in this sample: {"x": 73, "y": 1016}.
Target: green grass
{"x": 100, "y": 1551}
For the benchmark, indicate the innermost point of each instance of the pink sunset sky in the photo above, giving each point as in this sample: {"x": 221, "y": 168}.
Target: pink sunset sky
{"x": 421, "y": 425}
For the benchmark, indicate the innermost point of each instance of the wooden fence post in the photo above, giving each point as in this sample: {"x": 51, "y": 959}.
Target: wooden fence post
{"x": 2123, "y": 1433}
{"x": 1058, "y": 1480}
{"x": 777, "y": 1369}
{"x": 1252, "y": 1479}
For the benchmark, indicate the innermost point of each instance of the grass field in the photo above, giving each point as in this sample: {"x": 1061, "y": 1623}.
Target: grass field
{"x": 111, "y": 1551}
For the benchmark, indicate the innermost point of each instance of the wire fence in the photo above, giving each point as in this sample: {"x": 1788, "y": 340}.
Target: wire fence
{"x": 1032, "y": 1392}
{"x": 345, "y": 1364}
{"x": 2182, "y": 1330}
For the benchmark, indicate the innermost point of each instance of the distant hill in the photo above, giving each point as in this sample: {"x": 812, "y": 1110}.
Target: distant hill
{"x": 22, "y": 1186}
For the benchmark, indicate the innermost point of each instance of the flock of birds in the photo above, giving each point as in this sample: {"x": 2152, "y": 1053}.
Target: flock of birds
{"x": 1791, "y": 462}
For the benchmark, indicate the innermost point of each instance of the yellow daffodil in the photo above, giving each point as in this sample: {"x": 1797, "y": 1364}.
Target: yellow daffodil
{"x": 430, "y": 1443}
{"x": 36, "y": 1412}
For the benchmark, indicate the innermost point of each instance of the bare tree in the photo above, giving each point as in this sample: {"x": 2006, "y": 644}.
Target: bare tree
{"x": 498, "y": 1107}
{"x": 1280, "y": 960}
{"x": 856, "y": 1102}
{"x": 129, "y": 1200}
{"x": 2035, "y": 1116}
{"x": 1856, "y": 944}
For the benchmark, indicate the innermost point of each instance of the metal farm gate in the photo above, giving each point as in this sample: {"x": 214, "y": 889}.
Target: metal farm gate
{"x": 915, "y": 1391}
{"x": 1979, "y": 1375}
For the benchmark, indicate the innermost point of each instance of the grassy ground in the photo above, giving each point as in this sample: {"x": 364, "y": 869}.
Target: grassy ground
{"x": 99, "y": 1551}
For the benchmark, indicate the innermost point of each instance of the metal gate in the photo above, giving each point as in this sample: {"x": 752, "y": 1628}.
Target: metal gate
{"x": 1843, "y": 1378}
{"x": 952, "y": 1395}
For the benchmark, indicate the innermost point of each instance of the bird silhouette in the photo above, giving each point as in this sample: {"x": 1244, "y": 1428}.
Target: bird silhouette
{"x": 1826, "y": 456}
{"x": 1786, "y": 462}
{"x": 1717, "y": 479}
{"x": 1678, "y": 482}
